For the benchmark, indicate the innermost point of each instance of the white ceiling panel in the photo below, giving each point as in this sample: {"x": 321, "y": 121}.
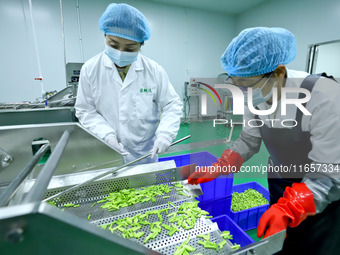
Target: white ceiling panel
{"x": 231, "y": 7}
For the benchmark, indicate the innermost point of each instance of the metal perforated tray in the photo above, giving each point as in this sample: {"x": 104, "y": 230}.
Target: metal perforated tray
{"x": 87, "y": 195}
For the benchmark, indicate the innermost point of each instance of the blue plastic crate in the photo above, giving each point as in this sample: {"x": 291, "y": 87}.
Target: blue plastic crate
{"x": 218, "y": 188}
{"x": 225, "y": 223}
{"x": 249, "y": 219}
{"x": 216, "y": 207}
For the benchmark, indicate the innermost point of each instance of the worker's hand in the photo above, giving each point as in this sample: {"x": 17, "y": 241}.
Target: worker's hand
{"x": 112, "y": 140}
{"x": 161, "y": 144}
{"x": 203, "y": 175}
{"x": 290, "y": 210}
{"x": 230, "y": 161}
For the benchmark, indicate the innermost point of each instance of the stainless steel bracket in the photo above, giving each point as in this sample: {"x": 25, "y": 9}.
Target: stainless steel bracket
{"x": 5, "y": 159}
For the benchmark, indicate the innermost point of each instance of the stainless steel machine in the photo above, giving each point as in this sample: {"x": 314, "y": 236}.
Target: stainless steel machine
{"x": 204, "y": 101}
{"x": 56, "y": 99}
{"x": 29, "y": 225}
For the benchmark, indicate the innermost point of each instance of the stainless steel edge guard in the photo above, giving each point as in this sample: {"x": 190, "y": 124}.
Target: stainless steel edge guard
{"x": 108, "y": 172}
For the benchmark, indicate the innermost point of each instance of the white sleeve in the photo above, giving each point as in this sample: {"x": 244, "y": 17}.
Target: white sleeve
{"x": 86, "y": 110}
{"x": 170, "y": 105}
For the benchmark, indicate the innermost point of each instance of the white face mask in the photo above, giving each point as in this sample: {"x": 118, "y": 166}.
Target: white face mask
{"x": 257, "y": 96}
{"x": 120, "y": 58}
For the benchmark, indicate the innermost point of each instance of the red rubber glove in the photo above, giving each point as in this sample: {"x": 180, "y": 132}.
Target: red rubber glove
{"x": 290, "y": 210}
{"x": 229, "y": 159}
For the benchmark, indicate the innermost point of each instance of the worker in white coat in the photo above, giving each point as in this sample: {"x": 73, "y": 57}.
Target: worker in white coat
{"x": 121, "y": 91}
{"x": 305, "y": 200}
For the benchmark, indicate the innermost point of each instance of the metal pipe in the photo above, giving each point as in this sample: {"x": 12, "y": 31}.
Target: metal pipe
{"x": 108, "y": 172}
{"x": 313, "y": 59}
{"x": 79, "y": 33}
{"x": 63, "y": 37}
{"x": 13, "y": 186}
{"x": 39, "y": 188}
{"x": 35, "y": 39}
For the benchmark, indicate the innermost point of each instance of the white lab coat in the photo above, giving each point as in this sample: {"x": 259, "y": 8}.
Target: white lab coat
{"x": 323, "y": 126}
{"x": 129, "y": 110}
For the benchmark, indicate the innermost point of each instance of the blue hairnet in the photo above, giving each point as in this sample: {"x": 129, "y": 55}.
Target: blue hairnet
{"x": 259, "y": 50}
{"x": 125, "y": 21}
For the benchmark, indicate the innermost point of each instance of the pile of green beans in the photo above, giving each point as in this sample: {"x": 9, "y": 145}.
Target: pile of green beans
{"x": 127, "y": 197}
{"x": 184, "y": 217}
{"x": 247, "y": 199}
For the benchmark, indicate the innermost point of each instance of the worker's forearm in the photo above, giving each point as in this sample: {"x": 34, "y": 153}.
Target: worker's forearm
{"x": 95, "y": 123}
{"x": 246, "y": 145}
{"x": 324, "y": 185}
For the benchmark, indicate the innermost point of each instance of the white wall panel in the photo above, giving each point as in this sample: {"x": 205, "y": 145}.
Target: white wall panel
{"x": 186, "y": 42}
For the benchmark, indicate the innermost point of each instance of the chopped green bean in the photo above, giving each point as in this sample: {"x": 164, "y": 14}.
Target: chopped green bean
{"x": 51, "y": 203}
{"x": 221, "y": 244}
{"x": 189, "y": 248}
{"x": 121, "y": 229}
{"x": 172, "y": 204}
{"x": 187, "y": 241}
{"x": 179, "y": 251}
{"x": 205, "y": 237}
{"x": 178, "y": 185}
{"x": 236, "y": 246}
{"x": 166, "y": 227}
{"x": 201, "y": 242}
{"x": 103, "y": 226}
{"x": 68, "y": 205}
{"x": 139, "y": 234}
{"x": 135, "y": 228}
{"x": 226, "y": 235}
{"x": 181, "y": 193}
